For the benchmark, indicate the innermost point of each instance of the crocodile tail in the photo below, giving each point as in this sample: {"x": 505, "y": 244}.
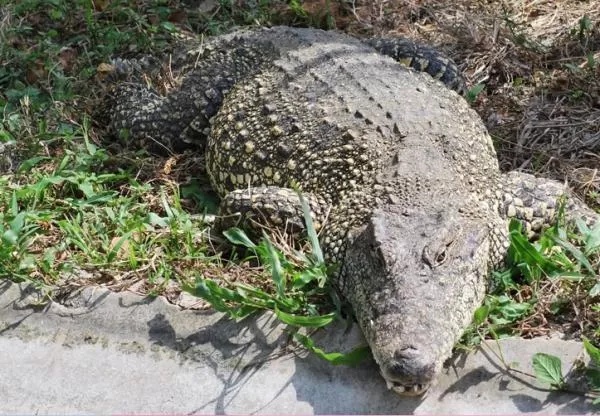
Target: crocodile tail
{"x": 423, "y": 59}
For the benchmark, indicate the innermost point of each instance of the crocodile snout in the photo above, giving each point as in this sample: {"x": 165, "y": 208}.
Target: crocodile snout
{"x": 409, "y": 372}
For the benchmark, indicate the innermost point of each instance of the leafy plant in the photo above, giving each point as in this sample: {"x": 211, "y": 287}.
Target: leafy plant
{"x": 548, "y": 370}
{"x": 567, "y": 259}
{"x": 300, "y": 292}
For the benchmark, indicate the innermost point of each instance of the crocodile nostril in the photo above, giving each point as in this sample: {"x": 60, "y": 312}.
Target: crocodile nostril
{"x": 409, "y": 366}
{"x": 408, "y": 352}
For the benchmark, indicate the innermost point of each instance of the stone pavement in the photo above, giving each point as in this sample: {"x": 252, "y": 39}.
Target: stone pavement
{"x": 103, "y": 352}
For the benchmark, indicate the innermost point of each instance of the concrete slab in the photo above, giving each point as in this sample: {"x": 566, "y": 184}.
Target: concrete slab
{"x": 101, "y": 352}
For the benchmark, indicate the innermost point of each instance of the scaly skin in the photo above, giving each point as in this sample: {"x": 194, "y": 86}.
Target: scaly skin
{"x": 401, "y": 175}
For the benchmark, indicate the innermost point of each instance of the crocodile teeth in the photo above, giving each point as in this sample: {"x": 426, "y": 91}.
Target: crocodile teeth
{"x": 411, "y": 390}
{"x": 399, "y": 388}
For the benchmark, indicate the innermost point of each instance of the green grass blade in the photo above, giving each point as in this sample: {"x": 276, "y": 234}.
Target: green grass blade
{"x": 527, "y": 251}
{"x": 305, "y": 321}
{"x": 310, "y": 229}
{"x": 238, "y": 237}
{"x": 112, "y": 254}
{"x": 354, "y": 357}
{"x": 592, "y": 240}
{"x": 218, "y": 297}
{"x": 576, "y": 253}
{"x": 277, "y": 273}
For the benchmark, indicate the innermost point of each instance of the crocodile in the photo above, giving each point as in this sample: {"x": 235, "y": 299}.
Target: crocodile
{"x": 400, "y": 174}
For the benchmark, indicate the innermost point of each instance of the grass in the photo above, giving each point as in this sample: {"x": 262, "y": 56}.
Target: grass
{"x": 77, "y": 210}
{"x": 551, "y": 284}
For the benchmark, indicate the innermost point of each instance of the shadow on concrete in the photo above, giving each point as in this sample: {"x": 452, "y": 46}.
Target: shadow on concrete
{"x": 468, "y": 380}
{"x": 362, "y": 389}
{"x": 235, "y": 351}
{"x": 29, "y": 297}
{"x": 249, "y": 345}
{"x": 18, "y": 303}
{"x": 249, "y": 367}
{"x": 567, "y": 402}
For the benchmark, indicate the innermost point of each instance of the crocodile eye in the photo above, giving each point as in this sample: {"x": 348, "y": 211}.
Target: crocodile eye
{"x": 440, "y": 257}
{"x": 435, "y": 259}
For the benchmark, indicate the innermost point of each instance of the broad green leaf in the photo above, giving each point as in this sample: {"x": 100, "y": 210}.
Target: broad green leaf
{"x": 548, "y": 369}
{"x": 87, "y": 188}
{"x": 352, "y": 358}
{"x": 18, "y": 222}
{"x": 472, "y": 94}
{"x": 238, "y": 237}
{"x": 46, "y": 181}
{"x": 514, "y": 310}
{"x": 592, "y": 350}
{"x": 156, "y": 220}
{"x": 168, "y": 26}
{"x": 305, "y": 321}
{"x": 30, "y": 163}
{"x": 481, "y": 314}
{"x": 503, "y": 280}
{"x": 303, "y": 278}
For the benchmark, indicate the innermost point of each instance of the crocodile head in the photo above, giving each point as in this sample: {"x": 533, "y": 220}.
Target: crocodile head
{"x": 414, "y": 279}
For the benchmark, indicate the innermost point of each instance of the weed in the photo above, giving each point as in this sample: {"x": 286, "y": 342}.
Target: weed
{"x": 548, "y": 370}
{"x": 545, "y": 277}
{"x": 584, "y": 29}
{"x": 473, "y": 93}
{"x": 300, "y": 294}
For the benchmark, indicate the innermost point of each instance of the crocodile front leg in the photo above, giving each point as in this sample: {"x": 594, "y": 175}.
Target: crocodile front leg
{"x": 269, "y": 207}
{"x": 536, "y": 201}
